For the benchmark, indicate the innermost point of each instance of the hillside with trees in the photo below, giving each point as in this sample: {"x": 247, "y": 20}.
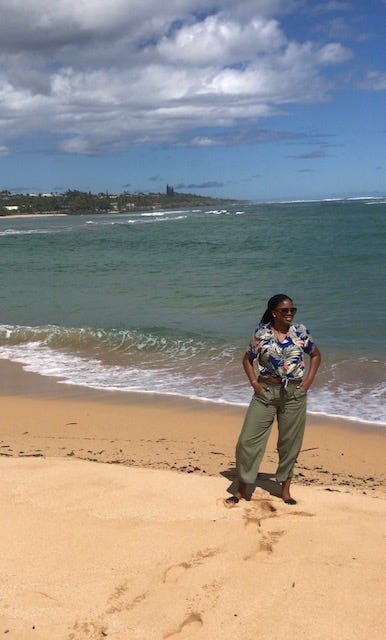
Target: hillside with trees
{"x": 74, "y": 202}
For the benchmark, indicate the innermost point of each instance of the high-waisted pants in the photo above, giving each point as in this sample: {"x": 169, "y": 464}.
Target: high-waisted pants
{"x": 289, "y": 406}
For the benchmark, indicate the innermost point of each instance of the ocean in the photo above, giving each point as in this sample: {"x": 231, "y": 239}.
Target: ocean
{"x": 164, "y": 302}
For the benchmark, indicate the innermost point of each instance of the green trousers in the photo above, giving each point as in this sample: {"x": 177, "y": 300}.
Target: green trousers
{"x": 289, "y": 406}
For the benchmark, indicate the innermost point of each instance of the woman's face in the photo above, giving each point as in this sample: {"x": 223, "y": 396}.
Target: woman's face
{"x": 285, "y": 310}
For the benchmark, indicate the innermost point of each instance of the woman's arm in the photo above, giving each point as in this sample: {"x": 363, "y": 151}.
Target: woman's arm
{"x": 251, "y": 374}
{"x": 316, "y": 358}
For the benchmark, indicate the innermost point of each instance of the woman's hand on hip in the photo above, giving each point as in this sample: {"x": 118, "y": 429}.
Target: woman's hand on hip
{"x": 257, "y": 386}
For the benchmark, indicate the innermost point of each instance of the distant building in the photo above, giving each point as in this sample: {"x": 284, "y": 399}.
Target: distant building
{"x": 169, "y": 190}
{"x": 40, "y": 195}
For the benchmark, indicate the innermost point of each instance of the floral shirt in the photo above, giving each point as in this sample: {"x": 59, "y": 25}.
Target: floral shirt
{"x": 281, "y": 359}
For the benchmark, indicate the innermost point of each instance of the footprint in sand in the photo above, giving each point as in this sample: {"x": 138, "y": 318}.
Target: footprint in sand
{"x": 88, "y": 629}
{"x": 266, "y": 506}
{"x": 119, "y": 602}
{"x": 173, "y": 573}
{"x": 264, "y": 544}
{"x": 259, "y": 511}
{"x": 266, "y": 540}
{"x": 192, "y": 623}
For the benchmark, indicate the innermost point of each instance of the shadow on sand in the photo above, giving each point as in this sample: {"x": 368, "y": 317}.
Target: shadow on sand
{"x": 265, "y": 481}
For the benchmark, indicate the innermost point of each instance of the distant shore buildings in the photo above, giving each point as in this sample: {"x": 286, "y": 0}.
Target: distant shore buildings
{"x": 73, "y": 202}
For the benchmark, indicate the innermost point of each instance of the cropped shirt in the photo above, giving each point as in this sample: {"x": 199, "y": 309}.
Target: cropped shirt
{"x": 281, "y": 359}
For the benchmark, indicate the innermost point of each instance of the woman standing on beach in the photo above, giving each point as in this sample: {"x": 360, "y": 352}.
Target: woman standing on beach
{"x": 280, "y": 389}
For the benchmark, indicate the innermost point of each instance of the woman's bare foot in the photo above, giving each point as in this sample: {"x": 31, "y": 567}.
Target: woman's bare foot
{"x": 241, "y": 494}
{"x": 285, "y": 492}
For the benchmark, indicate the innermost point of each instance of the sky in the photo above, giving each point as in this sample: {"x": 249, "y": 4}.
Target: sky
{"x": 262, "y": 100}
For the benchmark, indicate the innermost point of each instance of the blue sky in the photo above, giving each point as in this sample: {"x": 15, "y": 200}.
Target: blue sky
{"x": 255, "y": 99}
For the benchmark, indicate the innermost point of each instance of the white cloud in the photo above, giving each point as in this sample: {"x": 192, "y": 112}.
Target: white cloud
{"x": 221, "y": 41}
{"x": 374, "y": 80}
{"x": 105, "y": 75}
{"x": 27, "y": 23}
{"x": 332, "y": 6}
{"x": 334, "y": 53}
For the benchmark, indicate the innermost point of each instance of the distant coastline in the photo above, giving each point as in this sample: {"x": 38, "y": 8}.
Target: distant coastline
{"x": 79, "y": 202}
{"x": 47, "y": 214}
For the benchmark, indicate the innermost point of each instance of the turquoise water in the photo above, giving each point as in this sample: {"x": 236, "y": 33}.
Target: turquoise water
{"x": 165, "y": 302}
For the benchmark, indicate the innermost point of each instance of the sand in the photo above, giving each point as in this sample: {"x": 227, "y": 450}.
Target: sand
{"x": 33, "y": 215}
{"x": 114, "y": 524}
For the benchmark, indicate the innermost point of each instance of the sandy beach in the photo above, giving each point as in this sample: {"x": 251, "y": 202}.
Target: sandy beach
{"x": 115, "y": 524}
{"x": 34, "y": 215}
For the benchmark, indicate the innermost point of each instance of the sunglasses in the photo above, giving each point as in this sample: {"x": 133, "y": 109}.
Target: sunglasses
{"x": 284, "y": 310}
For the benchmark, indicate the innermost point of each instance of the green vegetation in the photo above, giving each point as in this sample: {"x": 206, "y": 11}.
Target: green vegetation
{"x": 78, "y": 202}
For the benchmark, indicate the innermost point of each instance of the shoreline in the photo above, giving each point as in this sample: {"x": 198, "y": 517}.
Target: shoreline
{"x": 14, "y": 380}
{"x": 44, "y": 418}
{"x": 33, "y": 215}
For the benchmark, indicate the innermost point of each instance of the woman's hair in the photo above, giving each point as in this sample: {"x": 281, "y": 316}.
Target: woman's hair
{"x": 271, "y": 305}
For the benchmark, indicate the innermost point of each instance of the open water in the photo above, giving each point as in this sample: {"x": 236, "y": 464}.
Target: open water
{"x": 165, "y": 302}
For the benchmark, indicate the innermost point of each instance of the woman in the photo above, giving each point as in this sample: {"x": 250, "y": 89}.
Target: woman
{"x": 277, "y": 348}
